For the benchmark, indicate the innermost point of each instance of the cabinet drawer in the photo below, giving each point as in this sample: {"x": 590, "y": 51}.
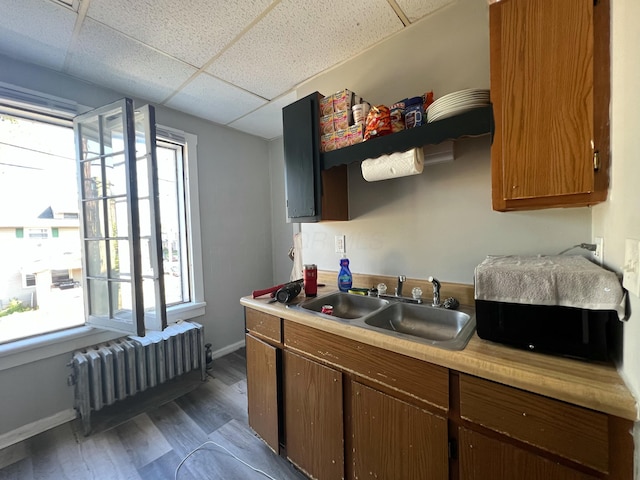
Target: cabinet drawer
{"x": 263, "y": 325}
{"x": 570, "y": 431}
{"x": 421, "y": 380}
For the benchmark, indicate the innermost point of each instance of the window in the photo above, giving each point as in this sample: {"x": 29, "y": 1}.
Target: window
{"x": 50, "y": 269}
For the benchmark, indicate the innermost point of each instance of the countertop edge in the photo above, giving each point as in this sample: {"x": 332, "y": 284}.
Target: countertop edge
{"x": 595, "y": 386}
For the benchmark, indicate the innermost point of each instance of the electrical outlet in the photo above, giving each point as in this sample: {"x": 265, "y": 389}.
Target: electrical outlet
{"x": 340, "y": 244}
{"x": 631, "y": 275}
{"x": 599, "y": 253}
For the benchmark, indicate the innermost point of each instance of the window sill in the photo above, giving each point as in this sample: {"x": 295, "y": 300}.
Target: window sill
{"x": 49, "y": 345}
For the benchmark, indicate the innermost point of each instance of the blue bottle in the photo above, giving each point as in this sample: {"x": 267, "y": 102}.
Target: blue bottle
{"x": 345, "y": 280}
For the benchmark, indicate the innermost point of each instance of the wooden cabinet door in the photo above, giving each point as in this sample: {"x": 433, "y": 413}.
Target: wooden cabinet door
{"x": 395, "y": 440}
{"x": 262, "y": 390}
{"x": 543, "y": 92}
{"x": 483, "y": 458}
{"x": 313, "y": 417}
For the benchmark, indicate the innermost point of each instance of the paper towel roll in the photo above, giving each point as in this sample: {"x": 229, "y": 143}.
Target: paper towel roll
{"x": 394, "y": 165}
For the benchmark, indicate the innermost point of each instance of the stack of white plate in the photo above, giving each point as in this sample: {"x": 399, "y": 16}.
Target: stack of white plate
{"x": 456, "y": 103}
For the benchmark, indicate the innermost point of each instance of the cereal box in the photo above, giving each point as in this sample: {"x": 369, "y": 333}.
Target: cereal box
{"x": 326, "y": 105}
{"x": 342, "y": 100}
{"x": 341, "y": 120}
{"x": 327, "y": 142}
{"x": 342, "y": 138}
{"x": 356, "y": 133}
{"x": 326, "y": 124}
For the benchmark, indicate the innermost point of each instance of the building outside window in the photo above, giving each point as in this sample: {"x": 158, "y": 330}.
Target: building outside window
{"x": 40, "y": 238}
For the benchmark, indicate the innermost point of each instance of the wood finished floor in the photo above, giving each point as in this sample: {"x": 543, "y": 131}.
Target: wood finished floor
{"x": 151, "y": 444}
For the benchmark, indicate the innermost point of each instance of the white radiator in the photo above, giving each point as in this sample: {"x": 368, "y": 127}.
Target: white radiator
{"x": 114, "y": 370}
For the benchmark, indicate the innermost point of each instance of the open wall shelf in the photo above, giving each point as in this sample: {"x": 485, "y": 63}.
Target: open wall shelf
{"x": 473, "y": 123}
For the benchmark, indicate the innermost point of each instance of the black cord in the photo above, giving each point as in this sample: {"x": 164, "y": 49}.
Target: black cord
{"x": 587, "y": 246}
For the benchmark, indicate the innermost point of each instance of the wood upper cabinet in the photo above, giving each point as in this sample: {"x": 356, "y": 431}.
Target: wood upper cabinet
{"x": 313, "y": 417}
{"x": 312, "y": 194}
{"x": 394, "y": 440}
{"x": 550, "y": 93}
{"x": 262, "y": 390}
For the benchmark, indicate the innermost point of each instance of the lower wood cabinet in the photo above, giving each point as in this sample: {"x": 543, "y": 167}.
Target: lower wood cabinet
{"x": 483, "y": 458}
{"x": 262, "y": 390}
{"x": 394, "y": 440}
{"x": 343, "y": 409}
{"x": 313, "y": 417}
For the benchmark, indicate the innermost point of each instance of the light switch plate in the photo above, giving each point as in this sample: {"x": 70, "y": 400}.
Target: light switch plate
{"x": 340, "y": 244}
{"x": 631, "y": 275}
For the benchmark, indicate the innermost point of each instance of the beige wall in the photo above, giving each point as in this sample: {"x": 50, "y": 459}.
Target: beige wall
{"x": 439, "y": 223}
{"x": 619, "y": 218}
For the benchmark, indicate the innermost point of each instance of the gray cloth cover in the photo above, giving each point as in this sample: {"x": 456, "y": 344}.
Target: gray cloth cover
{"x": 565, "y": 280}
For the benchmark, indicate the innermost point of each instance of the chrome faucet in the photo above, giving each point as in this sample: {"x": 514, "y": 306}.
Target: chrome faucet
{"x": 401, "y": 280}
{"x": 436, "y": 292}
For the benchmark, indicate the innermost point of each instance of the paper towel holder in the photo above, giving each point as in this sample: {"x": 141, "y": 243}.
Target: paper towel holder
{"x": 440, "y": 153}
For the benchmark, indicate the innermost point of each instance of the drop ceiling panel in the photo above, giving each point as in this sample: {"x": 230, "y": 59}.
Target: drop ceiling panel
{"x": 416, "y": 9}
{"x": 210, "y": 98}
{"x": 190, "y": 31}
{"x": 296, "y": 40}
{"x": 266, "y": 122}
{"x": 36, "y": 31}
{"x": 108, "y": 58}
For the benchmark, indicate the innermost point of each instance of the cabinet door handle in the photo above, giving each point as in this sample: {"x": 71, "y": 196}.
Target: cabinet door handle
{"x": 596, "y": 161}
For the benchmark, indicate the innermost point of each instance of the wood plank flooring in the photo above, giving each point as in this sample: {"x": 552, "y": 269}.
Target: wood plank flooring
{"x": 147, "y": 440}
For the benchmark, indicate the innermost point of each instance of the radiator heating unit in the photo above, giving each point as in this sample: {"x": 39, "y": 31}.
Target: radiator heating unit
{"x": 115, "y": 370}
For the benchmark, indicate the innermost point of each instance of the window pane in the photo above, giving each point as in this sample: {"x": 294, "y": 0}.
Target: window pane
{"x": 116, "y": 175}
{"x": 143, "y": 177}
{"x": 91, "y": 173}
{"x": 89, "y": 135}
{"x": 120, "y": 265}
{"x": 94, "y": 214}
{"x": 96, "y": 260}
{"x": 98, "y": 298}
{"x": 118, "y": 217}
{"x": 38, "y": 186}
{"x": 173, "y": 223}
{"x": 145, "y": 257}
{"x": 145, "y": 221}
{"x": 112, "y": 132}
{"x": 121, "y": 304}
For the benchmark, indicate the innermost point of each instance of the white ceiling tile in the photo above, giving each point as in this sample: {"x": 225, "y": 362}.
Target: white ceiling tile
{"x": 266, "y": 122}
{"x": 210, "y": 98}
{"x": 105, "y": 57}
{"x": 416, "y": 9}
{"x": 193, "y": 31}
{"x": 36, "y": 31}
{"x": 298, "y": 39}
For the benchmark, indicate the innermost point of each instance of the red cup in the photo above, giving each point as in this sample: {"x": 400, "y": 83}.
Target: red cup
{"x": 310, "y": 278}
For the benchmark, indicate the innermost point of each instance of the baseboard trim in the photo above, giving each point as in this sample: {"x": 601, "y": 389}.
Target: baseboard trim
{"x": 228, "y": 349}
{"x": 34, "y": 428}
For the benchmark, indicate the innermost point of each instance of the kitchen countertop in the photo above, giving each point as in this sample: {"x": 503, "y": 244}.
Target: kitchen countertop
{"x": 593, "y": 385}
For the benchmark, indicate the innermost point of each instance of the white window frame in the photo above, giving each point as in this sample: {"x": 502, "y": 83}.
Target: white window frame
{"x": 42, "y": 107}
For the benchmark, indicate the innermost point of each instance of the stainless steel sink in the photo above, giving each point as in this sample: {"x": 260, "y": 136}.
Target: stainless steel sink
{"x": 449, "y": 329}
{"x": 439, "y": 327}
{"x": 346, "y": 305}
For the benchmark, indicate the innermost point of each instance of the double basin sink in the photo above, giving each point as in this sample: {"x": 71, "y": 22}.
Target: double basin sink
{"x": 439, "y": 327}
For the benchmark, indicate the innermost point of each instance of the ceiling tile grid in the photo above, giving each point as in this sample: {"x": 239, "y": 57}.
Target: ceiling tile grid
{"x": 192, "y": 31}
{"x": 41, "y": 38}
{"x": 266, "y": 122}
{"x": 210, "y": 98}
{"x": 108, "y": 58}
{"x": 300, "y": 38}
{"x": 416, "y": 9}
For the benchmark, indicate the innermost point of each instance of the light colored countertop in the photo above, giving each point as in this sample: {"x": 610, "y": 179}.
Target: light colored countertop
{"x": 597, "y": 386}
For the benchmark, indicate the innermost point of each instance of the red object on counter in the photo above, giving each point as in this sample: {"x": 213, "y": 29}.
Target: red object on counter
{"x": 272, "y": 290}
{"x": 310, "y": 278}
{"x": 259, "y": 293}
